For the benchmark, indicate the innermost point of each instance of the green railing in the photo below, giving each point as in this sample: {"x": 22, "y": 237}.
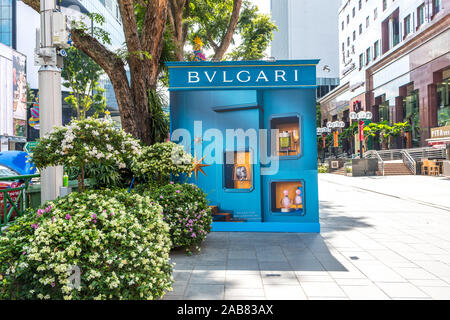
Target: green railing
{"x": 9, "y": 207}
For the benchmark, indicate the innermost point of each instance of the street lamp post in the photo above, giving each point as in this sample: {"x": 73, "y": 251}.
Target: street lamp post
{"x": 360, "y": 117}
{"x": 51, "y": 41}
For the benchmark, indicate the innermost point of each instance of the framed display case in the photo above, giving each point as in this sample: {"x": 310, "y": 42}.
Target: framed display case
{"x": 238, "y": 171}
{"x": 287, "y": 197}
{"x": 288, "y": 138}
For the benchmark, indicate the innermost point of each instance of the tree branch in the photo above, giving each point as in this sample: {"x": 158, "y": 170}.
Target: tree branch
{"x": 226, "y": 40}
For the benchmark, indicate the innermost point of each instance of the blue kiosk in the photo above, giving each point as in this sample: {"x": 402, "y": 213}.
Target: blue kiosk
{"x": 251, "y": 126}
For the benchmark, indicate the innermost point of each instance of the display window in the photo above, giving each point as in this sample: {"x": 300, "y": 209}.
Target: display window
{"x": 287, "y": 197}
{"x": 238, "y": 170}
{"x": 288, "y": 136}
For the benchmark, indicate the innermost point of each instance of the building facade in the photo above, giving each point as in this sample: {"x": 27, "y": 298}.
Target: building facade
{"x": 13, "y": 99}
{"x": 394, "y": 58}
{"x": 22, "y": 37}
{"x": 306, "y": 30}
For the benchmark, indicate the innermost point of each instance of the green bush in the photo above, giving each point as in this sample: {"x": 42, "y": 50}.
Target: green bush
{"x": 86, "y": 142}
{"x": 118, "y": 241}
{"x": 322, "y": 169}
{"x": 186, "y": 210}
{"x": 161, "y": 160}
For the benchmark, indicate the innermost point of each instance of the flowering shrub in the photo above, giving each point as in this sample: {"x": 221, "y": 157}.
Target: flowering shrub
{"x": 158, "y": 161}
{"x": 82, "y": 142}
{"x": 117, "y": 243}
{"x": 186, "y": 210}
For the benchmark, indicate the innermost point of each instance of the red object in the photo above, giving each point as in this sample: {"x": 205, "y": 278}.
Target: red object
{"x": 13, "y": 195}
{"x": 323, "y": 140}
{"x": 361, "y": 130}
{"x": 336, "y": 138}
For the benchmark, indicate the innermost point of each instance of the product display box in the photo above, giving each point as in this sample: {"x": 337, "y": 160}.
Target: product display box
{"x": 254, "y": 124}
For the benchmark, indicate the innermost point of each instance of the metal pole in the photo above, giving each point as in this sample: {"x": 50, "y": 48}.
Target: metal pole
{"x": 50, "y": 99}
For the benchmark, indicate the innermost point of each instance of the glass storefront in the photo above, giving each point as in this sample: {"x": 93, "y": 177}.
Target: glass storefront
{"x": 383, "y": 111}
{"x": 411, "y": 115}
{"x": 443, "y": 110}
{"x": 6, "y": 22}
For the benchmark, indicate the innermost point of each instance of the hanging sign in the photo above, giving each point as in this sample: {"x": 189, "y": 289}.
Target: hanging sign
{"x": 242, "y": 74}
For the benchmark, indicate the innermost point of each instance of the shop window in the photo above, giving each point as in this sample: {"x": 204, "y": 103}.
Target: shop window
{"x": 238, "y": 170}
{"x": 443, "y": 97}
{"x": 411, "y": 115}
{"x": 383, "y": 111}
{"x": 287, "y": 197}
{"x": 288, "y": 136}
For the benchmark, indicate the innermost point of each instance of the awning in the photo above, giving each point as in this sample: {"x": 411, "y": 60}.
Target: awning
{"x": 438, "y": 141}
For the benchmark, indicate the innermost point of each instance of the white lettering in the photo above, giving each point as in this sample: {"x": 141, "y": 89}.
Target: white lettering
{"x": 278, "y": 75}
{"x": 262, "y": 75}
{"x": 296, "y": 76}
{"x": 225, "y": 77}
{"x": 193, "y": 74}
{"x": 248, "y": 76}
{"x": 212, "y": 78}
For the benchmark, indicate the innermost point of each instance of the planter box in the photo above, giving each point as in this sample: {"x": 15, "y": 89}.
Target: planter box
{"x": 335, "y": 164}
{"x": 364, "y": 167}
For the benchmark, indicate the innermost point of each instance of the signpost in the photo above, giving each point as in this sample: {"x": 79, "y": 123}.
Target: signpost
{"x": 29, "y": 146}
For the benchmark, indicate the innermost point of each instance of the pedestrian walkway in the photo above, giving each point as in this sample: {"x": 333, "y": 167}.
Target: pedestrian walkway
{"x": 372, "y": 246}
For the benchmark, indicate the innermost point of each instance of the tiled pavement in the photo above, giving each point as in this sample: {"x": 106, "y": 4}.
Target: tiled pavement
{"x": 371, "y": 246}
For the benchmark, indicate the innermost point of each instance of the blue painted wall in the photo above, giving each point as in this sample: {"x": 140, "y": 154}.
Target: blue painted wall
{"x": 249, "y": 108}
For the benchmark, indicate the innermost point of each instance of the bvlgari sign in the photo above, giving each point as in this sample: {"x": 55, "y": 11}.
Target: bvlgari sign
{"x": 242, "y": 75}
{"x": 440, "y": 132}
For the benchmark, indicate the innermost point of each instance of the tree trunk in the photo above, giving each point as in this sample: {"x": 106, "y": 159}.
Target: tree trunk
{"x": 144, "y": 54}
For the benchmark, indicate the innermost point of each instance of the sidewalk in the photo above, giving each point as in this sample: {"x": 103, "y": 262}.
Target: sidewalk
{"x": 371, "y": 246}
{"x": 420, "y": 189}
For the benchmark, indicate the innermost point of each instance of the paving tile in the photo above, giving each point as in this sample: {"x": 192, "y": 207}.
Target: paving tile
{"x": 378, "y": 272}
{"x": 366, "y": 292}
{"x": 279, "y": 277}
{"x": 314, "y": 278}
{"x": 429, "y": 283}
{"x": 284, "y": 292}
{"x": 249, "y": 281}
{"x": 205, "y": 292}
{"x": 401, "y": 290}
{"x": 244, "y": 292}
{"x": 322, "y": 289}
{"x": 414, "y": 273}
{"x": 353, "y": 282}
{"x": 438, "y": 293}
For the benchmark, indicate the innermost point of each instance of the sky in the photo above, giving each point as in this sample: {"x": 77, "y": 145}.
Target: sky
{"x": 263, "y": 5}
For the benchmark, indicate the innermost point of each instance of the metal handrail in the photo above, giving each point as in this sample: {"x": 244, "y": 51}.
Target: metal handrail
{"x": 369, "y": 155}
{"x": 409, "y": 161}
{"x": 17, "y": 206}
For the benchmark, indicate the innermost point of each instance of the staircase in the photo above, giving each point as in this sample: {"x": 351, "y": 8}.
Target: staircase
{"x": 395, "y": 168}
{"x": 340, "y": 171}
{"x": 223, "y": 215}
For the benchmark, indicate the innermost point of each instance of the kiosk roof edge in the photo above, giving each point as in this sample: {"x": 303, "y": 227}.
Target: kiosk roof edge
{"x": 180, "y": 64}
